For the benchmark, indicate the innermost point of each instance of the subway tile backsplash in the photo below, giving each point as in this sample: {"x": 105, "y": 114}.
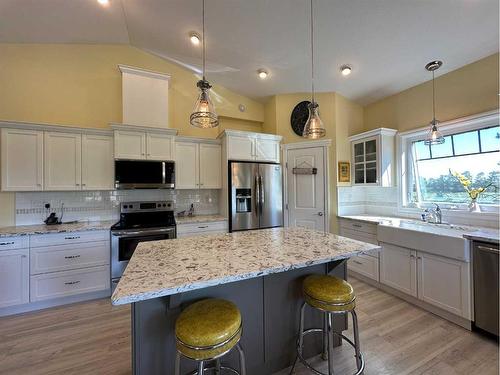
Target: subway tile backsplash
{"x": 104, "y": 205}
{"x": 354, "y": 200}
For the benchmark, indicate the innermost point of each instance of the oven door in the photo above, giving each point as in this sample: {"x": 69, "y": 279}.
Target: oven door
{"x": 124, "y": 243}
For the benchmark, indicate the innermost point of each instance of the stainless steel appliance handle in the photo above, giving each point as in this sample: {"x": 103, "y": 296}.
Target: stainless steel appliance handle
{"x": 257, "y": 194}
{"x": 488, "y": 249}
{"x": 163, "y": 174}
{"x": 261, "y": 190}
{"x": 142, "y": 232}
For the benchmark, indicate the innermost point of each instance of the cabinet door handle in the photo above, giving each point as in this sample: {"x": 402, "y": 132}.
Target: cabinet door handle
{"x": 23, "y": 256}
{"x": 72, "y": 282}
{"x": 357, "y": 225}
{"x": 6, "y": 243}
{"x": 412, "y": 256}
{"x": 72, "y": 238}
{"x": 203, "y": 226}
{"x": 84, "y": 184}
{"x": 72, "y": 256}
{"x": 77, "y": 184}
{"x": 355, "y": 261}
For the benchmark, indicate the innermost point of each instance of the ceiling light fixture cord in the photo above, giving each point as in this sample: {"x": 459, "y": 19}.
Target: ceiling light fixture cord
{"x": 433, "y": 99}
{"x": 312, "y": 53}
{"x": 203, "y": 35}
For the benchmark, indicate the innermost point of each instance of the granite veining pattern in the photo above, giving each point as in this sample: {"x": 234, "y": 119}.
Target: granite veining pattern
{"x": 199, "y": 219}
{"x": 162, "y": 268}
{"x": 24, "y": 230}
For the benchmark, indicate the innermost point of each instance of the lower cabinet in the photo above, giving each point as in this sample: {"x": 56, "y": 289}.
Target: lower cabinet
{"x": 437, "y": 280}
{"x": 198, "y": 229}
{"x": 365, "y": 265}
{"x": 14, "y": 277}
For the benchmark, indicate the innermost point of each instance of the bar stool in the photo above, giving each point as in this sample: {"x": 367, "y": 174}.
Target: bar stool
{"x": 330, "y": 295}
{"x": 207, "y": 330}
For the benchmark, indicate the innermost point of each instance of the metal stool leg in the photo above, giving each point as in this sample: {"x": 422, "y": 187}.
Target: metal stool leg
{"x": 330, "y": 343}
{"x": 177, "y": 370}
{"x": 243, "y": 368}
{"x": 201, "y": 366}
{"x": 355, "y": 329}
{"x": 324, "y": 355}
{"x": 301, "y": 337}
{"x": 217, "y": 367}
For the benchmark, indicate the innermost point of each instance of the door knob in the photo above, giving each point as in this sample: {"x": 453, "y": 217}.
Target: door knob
{"x": 320, "y": 213}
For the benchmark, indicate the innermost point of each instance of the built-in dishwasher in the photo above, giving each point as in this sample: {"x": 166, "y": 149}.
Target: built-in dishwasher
{"x": 486, "y": 280}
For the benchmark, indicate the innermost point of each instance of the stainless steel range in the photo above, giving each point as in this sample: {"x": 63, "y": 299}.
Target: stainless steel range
{"x": 139, "y": 222}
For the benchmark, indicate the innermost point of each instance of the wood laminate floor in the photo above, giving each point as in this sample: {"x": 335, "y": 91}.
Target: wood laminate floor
{"x": 94, "y": 338}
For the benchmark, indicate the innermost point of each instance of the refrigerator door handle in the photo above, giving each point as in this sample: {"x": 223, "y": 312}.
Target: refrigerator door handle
{"x": 257, "y": 194}
{"x": 262, "y": 196}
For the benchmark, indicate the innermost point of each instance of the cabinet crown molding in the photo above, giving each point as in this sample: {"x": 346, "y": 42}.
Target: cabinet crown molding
{"x": 150, "y": 129}
{"x": 240, "y": 133}
{"x": 52, "y": 127}
{"x": 143, "y": 72}
{"x": 197, "y": 140}
{"x": 371, "y": 133}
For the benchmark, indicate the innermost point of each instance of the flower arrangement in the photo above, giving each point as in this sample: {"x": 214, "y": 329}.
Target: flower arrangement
{"x": 473, "y": 193}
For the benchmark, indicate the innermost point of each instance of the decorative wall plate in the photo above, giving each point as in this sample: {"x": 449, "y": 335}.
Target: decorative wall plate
{"x": 299, "y": 117}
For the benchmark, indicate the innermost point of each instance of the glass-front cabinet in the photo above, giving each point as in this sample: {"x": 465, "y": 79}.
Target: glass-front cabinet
{"x": 373, "y": 157}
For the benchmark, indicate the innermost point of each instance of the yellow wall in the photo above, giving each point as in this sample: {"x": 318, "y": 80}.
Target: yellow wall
{"x": 80, "y": 85}
{"x": 466, "y": 91}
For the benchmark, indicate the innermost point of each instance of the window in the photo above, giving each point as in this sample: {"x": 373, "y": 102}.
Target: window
{"x": 473, "y": 153}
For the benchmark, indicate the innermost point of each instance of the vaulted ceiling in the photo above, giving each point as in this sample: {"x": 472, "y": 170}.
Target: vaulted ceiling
{"x": 387, "y": 42}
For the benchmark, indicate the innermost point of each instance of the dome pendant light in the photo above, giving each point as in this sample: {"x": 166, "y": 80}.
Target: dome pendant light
{"x": 314, "y": 127}
{"x": 204, "y": 115}
{"x": 434, "y": 136}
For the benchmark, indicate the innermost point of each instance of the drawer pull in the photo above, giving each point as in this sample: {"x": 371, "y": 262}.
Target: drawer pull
{"x": 203, "y": 226}
{"x": 72, "y": 282}
{"x": 357, "y": 225}
{"x": 6, "y": 243}
{"x": 487, "y": 248}
{"x": 72, "y": 237}
{"x": 72, "y": 256}
{"x": 357, "y": 262}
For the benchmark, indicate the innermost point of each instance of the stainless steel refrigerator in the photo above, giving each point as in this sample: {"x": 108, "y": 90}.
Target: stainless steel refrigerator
{"x": 255, "y": 196}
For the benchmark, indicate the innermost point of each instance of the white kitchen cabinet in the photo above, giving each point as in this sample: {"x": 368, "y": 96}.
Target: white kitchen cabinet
{"x": 198, "y": 229}
{"x": 14, "y": 277}
{"x": 197, "y": 164}
{"x": 398, "y": 268}
{"x": 241, "y": 145}
{"x": 186, "y": 165}
{"x": 130, "y": 144}
{"x": 445, "y": 283}
{"x": 210, "y": 166}
{"x": 373, "y": 157}
{"x": 365, "y": 265}
{"x": 97, "y": 162}
{"x": 21, "y": 160}
{"x": 62, "y": 161}
{"x": 159, "y": 146}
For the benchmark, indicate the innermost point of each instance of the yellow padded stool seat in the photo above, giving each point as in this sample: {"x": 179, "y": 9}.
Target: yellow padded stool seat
{"x": 329, "y": 293}
{"x": 208, "y": 328}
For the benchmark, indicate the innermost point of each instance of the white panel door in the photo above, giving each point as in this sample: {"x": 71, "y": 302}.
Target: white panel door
{"x": 159, "y": 146}
{"x": 62, "y": 161}
{"x": 241, "y": 147}
{"x": 398, "y": 268}
{"x": 186, "y": 165}
{"x": 14, "y": 277}
{"x": 210, "y": 166}
{"x": 21, "y": 160}
{"x": 306, "y": 192}
{"x": 267, "y": 150}
{"x": 97, "y": 162}
{"x": 444, "y": 282}
{"x": 130, "y": 145}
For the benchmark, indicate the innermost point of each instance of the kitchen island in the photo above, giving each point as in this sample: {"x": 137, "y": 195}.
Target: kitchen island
{"x": 261, "y": 271}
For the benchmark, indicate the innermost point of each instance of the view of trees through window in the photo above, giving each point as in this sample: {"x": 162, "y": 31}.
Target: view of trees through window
{"x": 475, "y": 154}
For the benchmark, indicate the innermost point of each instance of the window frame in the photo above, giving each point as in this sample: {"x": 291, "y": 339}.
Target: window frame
{"x": 405, "y": 159}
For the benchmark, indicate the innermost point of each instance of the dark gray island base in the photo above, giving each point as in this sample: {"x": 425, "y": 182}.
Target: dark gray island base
{"x": 270, "y": 310}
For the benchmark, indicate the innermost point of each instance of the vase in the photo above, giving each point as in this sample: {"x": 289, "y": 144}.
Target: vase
{"x": 474, "y": 206}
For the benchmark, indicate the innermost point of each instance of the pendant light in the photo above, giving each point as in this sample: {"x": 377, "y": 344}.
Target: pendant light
{"x": 434, "y": 136}
{"x": 314, "y": 127}
{"x": 204, "y": 115}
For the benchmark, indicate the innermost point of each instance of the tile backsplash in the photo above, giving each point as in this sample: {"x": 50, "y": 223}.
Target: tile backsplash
{"x": 104, "y": 205}
{"x": 353, "y": 200}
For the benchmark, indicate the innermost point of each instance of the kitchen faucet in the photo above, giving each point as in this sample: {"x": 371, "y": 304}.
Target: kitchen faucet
{"x": 433, "y": 215}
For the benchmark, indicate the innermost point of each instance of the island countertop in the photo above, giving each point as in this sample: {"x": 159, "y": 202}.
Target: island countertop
{"x": 162, "y": 268}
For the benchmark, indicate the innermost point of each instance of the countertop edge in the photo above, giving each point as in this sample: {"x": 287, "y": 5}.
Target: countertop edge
{"x": 40, "y": 229}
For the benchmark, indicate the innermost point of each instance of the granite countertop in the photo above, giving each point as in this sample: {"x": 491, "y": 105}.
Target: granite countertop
{"x": 199, "y": 219}
{"x": 24, "y": 230}
{"x": 451, "y": 230}
{"x": 162, "y": 268}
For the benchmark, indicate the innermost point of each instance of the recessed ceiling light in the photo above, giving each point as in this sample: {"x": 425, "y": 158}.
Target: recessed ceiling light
{"x": 262, "y": 73}
{"x": 194, "y": 38}
{"x": 104, "y": 3}
{"x": 345, "y": 70}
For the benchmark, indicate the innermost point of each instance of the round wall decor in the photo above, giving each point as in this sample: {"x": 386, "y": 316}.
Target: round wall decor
{"x": 299, "y": 117}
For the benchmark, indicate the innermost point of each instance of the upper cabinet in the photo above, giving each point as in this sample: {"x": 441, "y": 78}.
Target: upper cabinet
{"x": 97, "y": 162}
{"x": 63, "y": 161}
{"x": 373, "y": 157}
{"x": 21, "y": 159}
{"x": 143, "y": 143}
{"x": 197, "y": 163}
{"x": 241, "y": 145}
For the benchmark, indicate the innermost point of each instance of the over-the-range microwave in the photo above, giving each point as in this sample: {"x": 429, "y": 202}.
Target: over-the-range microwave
{"x": 144, "y": 174}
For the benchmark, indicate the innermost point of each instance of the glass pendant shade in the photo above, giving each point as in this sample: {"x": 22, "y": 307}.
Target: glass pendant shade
{"x": 434, "y": 136}
{"x": 204, "y": 115}
{"x": 314, "y": 127}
